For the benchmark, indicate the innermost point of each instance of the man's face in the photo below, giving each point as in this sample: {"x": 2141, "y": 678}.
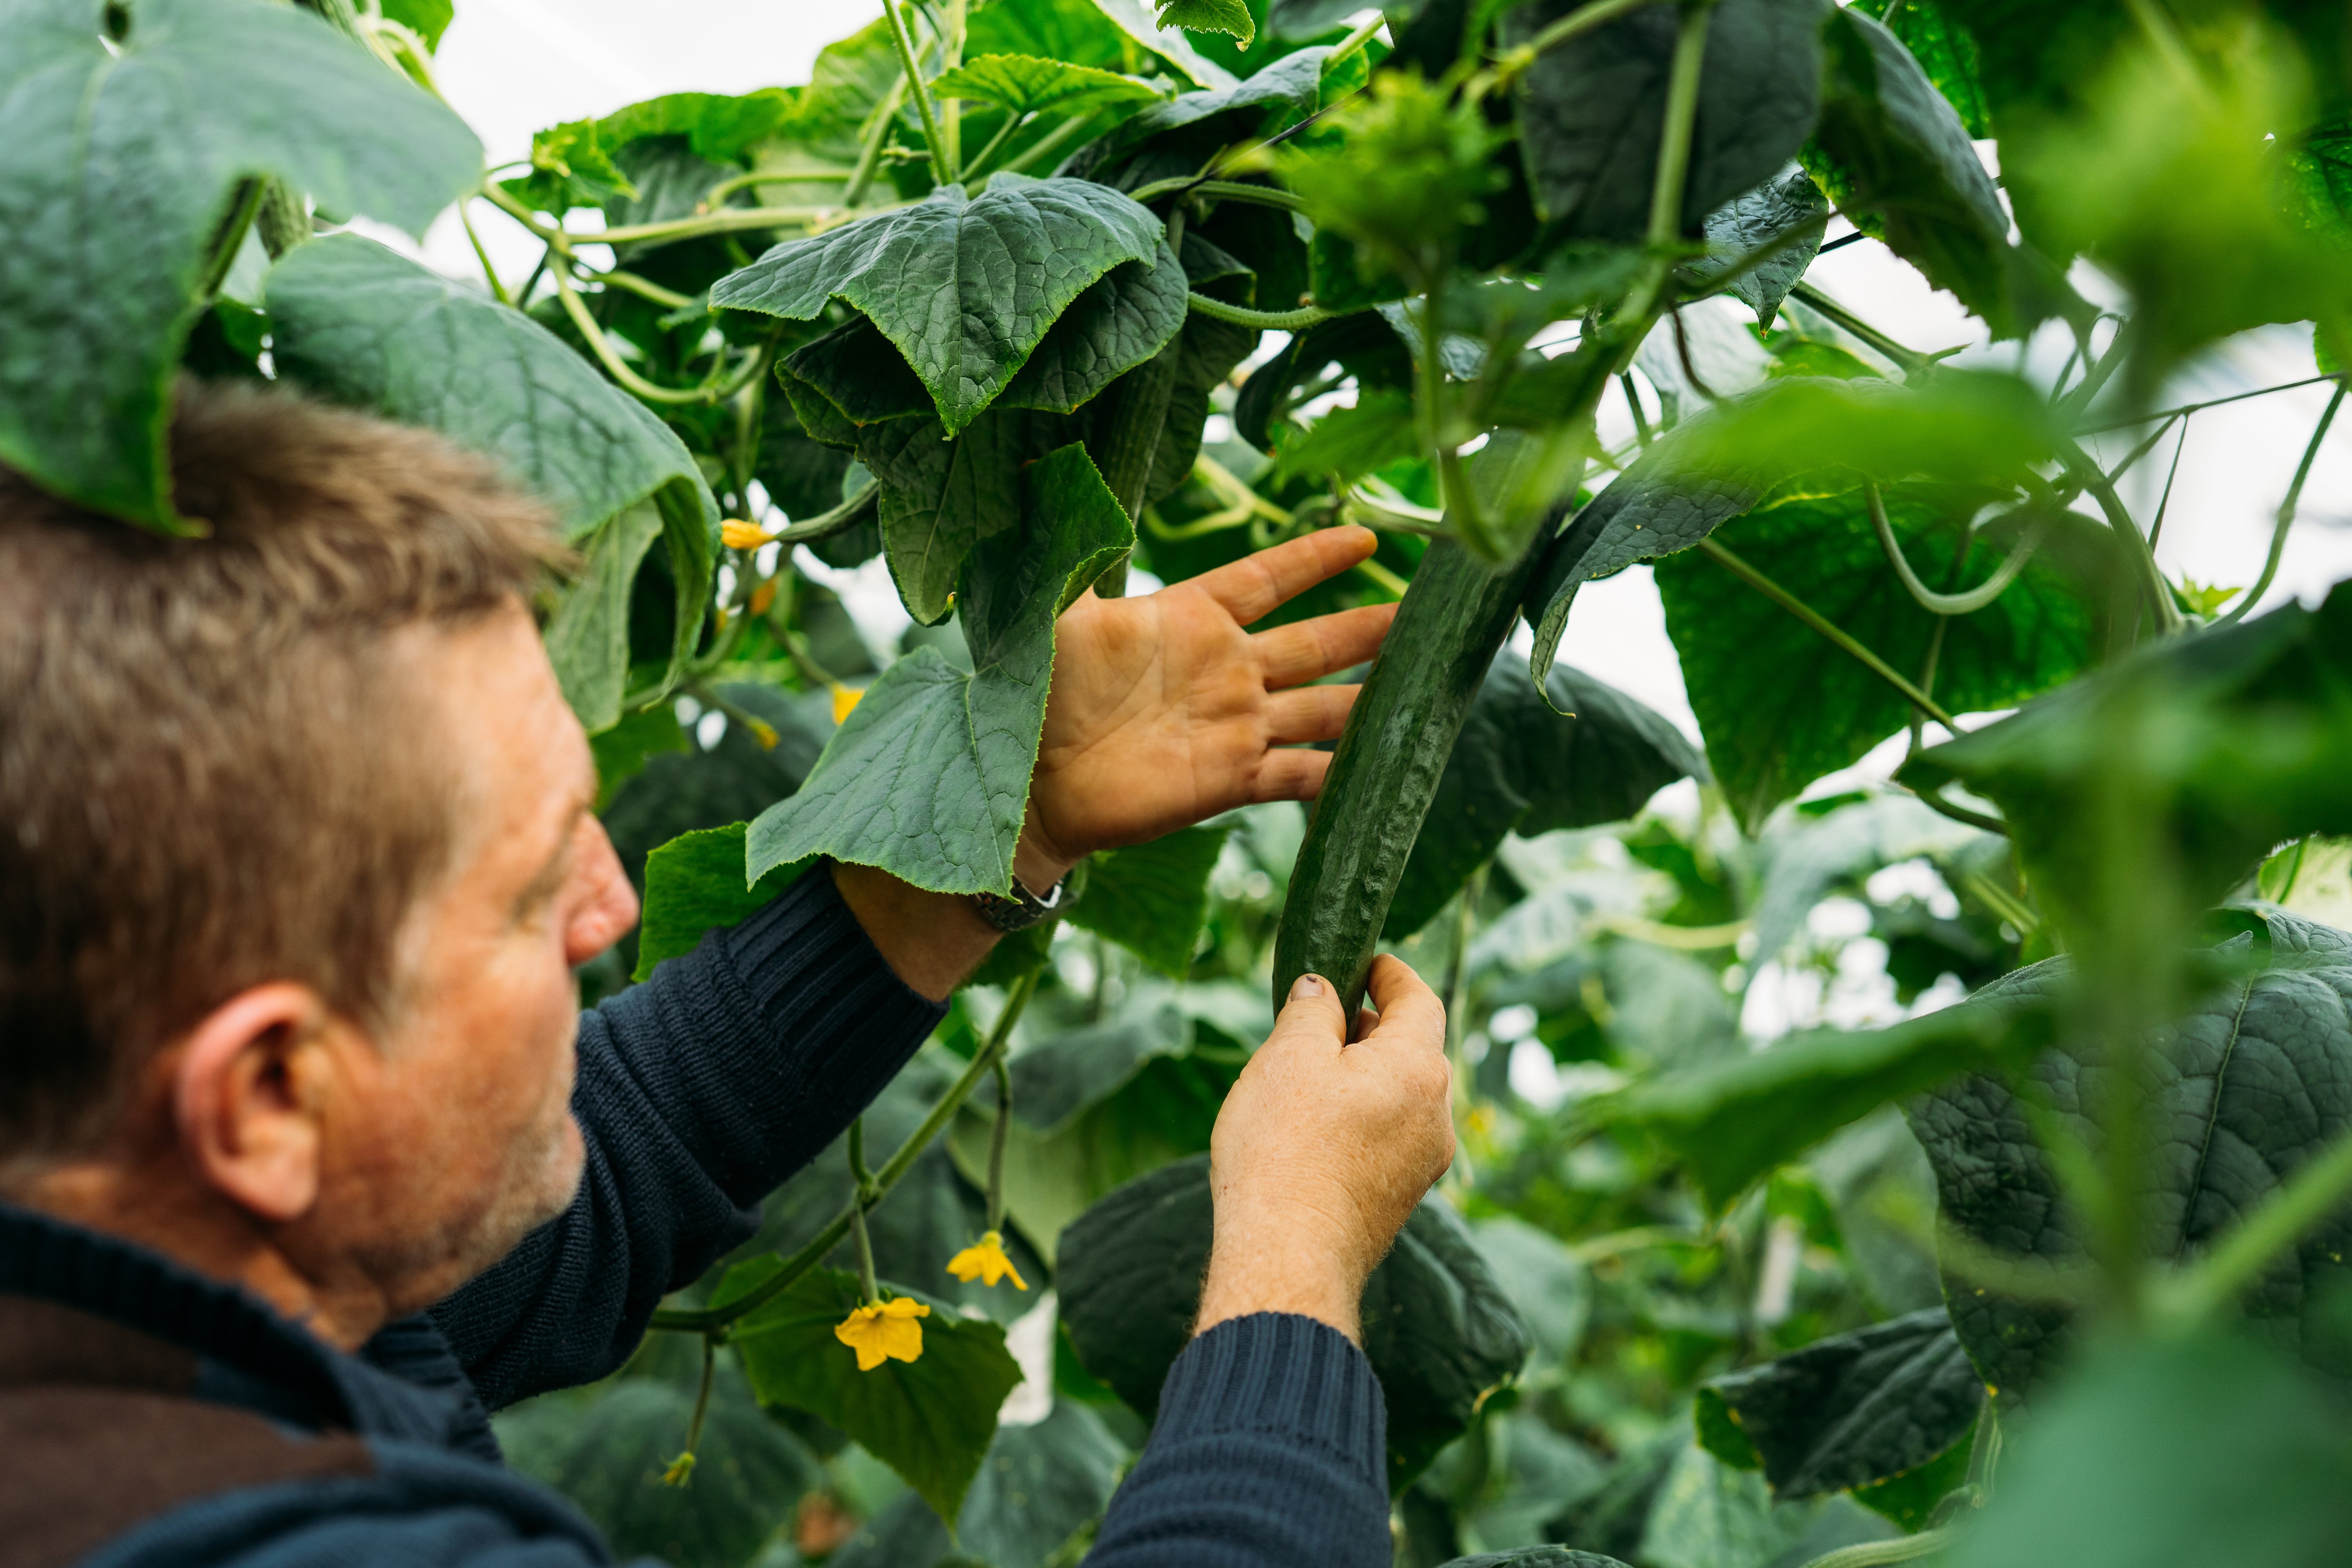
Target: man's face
{"x": 458, "y": 1140}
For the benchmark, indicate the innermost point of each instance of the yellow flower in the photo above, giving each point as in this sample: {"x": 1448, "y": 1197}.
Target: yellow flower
{"x": 986, "y": 1263}
{"x": 884, "y": 1331}
{"x": 845, "y": 698}
{"x": 741, "y": 535}
{"x": 679, "y": 1469}
{"x": 763, "y": 597}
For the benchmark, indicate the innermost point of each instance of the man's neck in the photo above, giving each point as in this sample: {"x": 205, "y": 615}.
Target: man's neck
{"x": 204, "y": 1232}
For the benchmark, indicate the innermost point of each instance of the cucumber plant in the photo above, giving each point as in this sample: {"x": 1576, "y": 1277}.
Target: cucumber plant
{"x": 1012, "y": 293}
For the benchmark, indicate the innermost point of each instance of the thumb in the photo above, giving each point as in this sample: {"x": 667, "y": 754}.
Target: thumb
{"x": 1311, "y": 1013}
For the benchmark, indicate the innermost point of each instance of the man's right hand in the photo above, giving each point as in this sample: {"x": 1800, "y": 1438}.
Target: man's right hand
{"x": 1323, "y": 1148}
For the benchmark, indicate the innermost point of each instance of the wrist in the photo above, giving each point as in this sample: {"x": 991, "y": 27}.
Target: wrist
{"x": 1280, "y": 1268}
{"x": 1038, "y": 862}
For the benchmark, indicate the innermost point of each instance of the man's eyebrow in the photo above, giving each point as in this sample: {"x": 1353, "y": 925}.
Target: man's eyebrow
{"x": 550, "y": 877}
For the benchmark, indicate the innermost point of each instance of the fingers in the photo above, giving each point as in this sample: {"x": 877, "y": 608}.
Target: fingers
{"x": 1410, "y": 1012}
{"x": 1308, "y": 713}
{"x": 1311, "y": 1013}
{"x": 1308, "y": 650}
{"x": 1255, "y": 585}
{"x": 1291, "y": 775}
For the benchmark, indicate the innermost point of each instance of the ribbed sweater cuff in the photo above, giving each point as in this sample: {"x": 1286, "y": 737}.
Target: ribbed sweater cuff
{"x": 1285, "y": 1377}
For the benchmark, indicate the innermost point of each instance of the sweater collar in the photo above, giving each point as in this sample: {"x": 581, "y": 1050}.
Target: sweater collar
{"x": 236, "y": 1348}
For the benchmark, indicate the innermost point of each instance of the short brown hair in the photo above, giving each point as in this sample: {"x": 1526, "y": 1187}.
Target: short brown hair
{"x": 206, "y": 781}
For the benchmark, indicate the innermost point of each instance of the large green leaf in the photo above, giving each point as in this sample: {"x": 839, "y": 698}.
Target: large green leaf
{"x": 929, "y": 779}
{"x": 1792, "y": 438}
{"x": 1152, "y": 899}
{"x": 1709, "y": 1515}
{"x": 1854, "y": 1408}
{"x": 965, "y": 286}
{"x": 929, "y": 1419}
{"x": 2240, "y": 737}
{"x": 1780, "y": 705}
{"x": 2200, "y": 1450}
{"x": 588, "y": 637}
{"x": 1279, "y": 96}
{"x": 1055, "y": 1078}
{"x": 1895, "y": 156}
{"x": 1038, "y": 1486}
{"x": 127, "y": 127}
{"x": 1211, "y": 16}
{"x": 1520, "y": 767}
{"x": 607, "y": 1448}
{"x": 1791, "y": 211}
{"x": 363, "y": 326}
{"x": 1591, "y": 109}
{"x": 1536, "y": 1557}
{"x": 1024, "y": 84}
{"x": 1732, "y": 1121}
{"x": 694, "y": 884}
{"x": 1945, "y": 51}
{"x": 1440, "y": 1334}
{"x": 2255, "y": 1079}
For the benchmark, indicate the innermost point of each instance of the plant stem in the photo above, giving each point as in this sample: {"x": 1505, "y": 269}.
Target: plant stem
{"x": 869, "y": 151}
{"x": 283, "y": 222}
{"x": 1682, "y": 115}
{"x": 2111, "y": 505}
{"x": 1013, "y": 122}
{"x": 1634, "y": 403}
{"x": 1224, "y": 190}
{"x": 644, "y": 289}
{"x": 1976, "y": 598}
{"x": 1575, "y": 24}
{"x": 2097, "y": 374}
{"x": 1364, "y": 34}
{"x": 1052, "y": 142}
{"x": 716, "y": 196}
{"x": 2287, "y": 515}
{"x": 996, "y": 1146}
{"x": 950, "y": 111}
{"x": 243, "y": 205}
{"x": 1909, "y": 359}
{"x": 1820, "y": 622}
{"x": 489, "y": 273}
{"x": 1875, "y": 1553}
{"x": 1264, "y": 320}
{"x": 983, "y": 1061}
{"x": 869, "y": 1289}
{"x": 2171, "y": 414}
{"x": 940, "y": 169}
{"x": 710, "y": 392}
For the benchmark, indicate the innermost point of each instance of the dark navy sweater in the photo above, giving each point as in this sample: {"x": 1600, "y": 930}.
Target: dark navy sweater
{"x": 699, "y": 1092}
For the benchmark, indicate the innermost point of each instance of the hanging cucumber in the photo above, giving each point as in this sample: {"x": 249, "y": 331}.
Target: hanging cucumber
{"x": 1453, "y": 621}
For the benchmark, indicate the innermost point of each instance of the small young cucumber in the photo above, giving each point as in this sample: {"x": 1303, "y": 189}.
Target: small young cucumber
{"x": 1453, "y": 619}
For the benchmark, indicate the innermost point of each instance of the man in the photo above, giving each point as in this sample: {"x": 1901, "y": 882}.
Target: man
{"x": 307, "y": 1160}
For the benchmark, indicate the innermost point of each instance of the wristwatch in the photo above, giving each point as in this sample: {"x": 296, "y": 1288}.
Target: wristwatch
{"x": 1023, "y": 909}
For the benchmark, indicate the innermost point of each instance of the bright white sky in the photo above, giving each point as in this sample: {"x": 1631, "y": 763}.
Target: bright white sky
{"x": 514, "y": 66}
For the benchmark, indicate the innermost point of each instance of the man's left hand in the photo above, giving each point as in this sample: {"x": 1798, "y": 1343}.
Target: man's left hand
{"x": 1165, "y": 711}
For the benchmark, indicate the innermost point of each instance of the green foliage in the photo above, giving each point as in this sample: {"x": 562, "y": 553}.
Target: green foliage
{"x": 1699, "y": 1236}
{"x": 1851, "y": 1410}
{"x": 1520, "y": 767}
{"x": 965, "y": 286}
{"x": 1590, "y": 112}
{"x": 929, "y": 777}
{"x": 1733, "y": 1121}
{"x": 930, "y": 1419}
{"x": 1440, "y": 1336}
{"x": 153, "y": 114}
{"x": 1151, "y": 899}
{"x": 358, "y": 324}
{"x": 2204, "y": 1447}
{"x": 2251, "y": 1078}
{"x": 1781, "y": 707}
{"x": 694, "y": 883}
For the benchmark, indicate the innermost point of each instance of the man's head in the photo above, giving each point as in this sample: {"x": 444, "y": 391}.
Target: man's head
{"x": 295, "y": 855}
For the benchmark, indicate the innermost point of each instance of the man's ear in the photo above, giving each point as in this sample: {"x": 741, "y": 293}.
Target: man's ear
{"x": 244, "y": 1094}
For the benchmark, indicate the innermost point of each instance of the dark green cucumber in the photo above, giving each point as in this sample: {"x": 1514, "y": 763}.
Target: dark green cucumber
{"x": 1453, "y": 621}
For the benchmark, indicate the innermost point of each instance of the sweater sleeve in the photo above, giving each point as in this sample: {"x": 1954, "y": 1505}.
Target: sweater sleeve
{"x": 1270, "y": 1452}
{"x": 699, "y": 1092}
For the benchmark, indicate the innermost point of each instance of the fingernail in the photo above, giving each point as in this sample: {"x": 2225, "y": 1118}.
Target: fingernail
{"x": 1305, "y": 988}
